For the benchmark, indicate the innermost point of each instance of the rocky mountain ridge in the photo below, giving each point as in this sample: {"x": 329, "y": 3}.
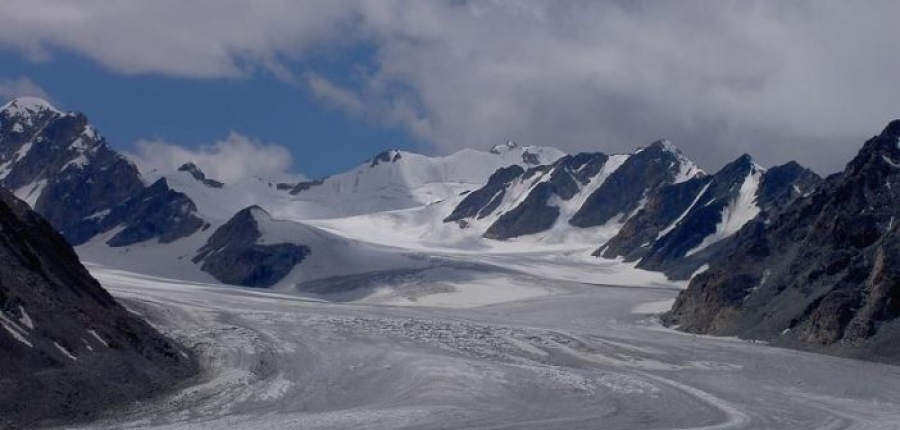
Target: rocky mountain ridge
{"x": 820, "y": 275}
{"x": 69, "y": 349}
{"x": 655, "y": 206}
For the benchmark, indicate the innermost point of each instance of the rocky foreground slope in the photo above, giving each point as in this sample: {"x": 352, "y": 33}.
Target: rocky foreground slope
{"x": 68, "y": 348}
{"x": 823, "y": 275}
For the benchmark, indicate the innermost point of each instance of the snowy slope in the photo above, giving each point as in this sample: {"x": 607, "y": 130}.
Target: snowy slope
{"x": 392, "y": 180}
{"x": 424, "y": 228}
{"x": 738, "y": 212}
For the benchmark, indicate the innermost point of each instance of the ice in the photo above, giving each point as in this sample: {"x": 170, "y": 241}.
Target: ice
{"x": 653, "y": 307}
{"x": 584, "y": 357}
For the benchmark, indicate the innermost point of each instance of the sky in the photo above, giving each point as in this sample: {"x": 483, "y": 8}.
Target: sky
{"x": 317, "y": 86}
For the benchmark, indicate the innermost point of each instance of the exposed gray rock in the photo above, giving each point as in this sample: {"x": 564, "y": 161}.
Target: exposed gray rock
{"x": 824, "y": 274}
{"x": 622, "y": 192}
{"x": 535, "y": 214}
{"x": 198, "y": 174}
{"x": 390, "y": 156}
{"x": 699, "y": 222}
{"x": 640, "y": 232}
{"x": 155, "y": 212}
{"x": 483, "y": 201}
{"x": 85, "y": 188}
{"x": 653, "y": 237}
{"x": 234, "y": 254}
{"x": 302, "y": 186}
{"x": 69, "y": 350}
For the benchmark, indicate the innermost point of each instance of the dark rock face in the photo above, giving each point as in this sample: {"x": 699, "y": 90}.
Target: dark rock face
{"x": 621, "y": 194}
{"x": 822, "y": 275}
{"x": 781, "y": 185}
{"x": 155, "y": 212}
{"x": 198, "y": 174}
{"x": 69, "y": 349}
{"x": 80, "y": 180}
{"x": 81, "y": 175}
{"x": 233, "y": 254}
{"x": 640, "y": 232}
{"x": 390, "y": 156}
{"x": 530, "y": 158}
{"x": 302, "y": 186}
{"x": 483, "y": 201}
{"x": 535, "y": 214}
{"x": 499, "y": 149}
{"x": 700, "y": 220}
{"x": 679, "y": 217}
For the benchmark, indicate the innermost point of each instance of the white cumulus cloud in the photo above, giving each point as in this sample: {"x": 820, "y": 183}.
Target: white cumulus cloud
{"x": 231, "y": 160}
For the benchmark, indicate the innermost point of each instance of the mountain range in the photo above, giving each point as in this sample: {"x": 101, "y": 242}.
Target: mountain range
{"x": 746, "y": 237}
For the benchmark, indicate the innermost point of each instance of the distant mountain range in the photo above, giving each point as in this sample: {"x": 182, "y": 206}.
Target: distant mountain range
{"x": 735, "y": 232}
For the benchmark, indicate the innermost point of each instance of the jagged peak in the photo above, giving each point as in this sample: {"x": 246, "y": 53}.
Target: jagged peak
{"x": 744, "y": 163}
{"x": 665, "y": 145}
{"x": 892, "y": 129}
{"x": 28, "y": 105}
{"x": 389, "y": 156}
{"x": 256, "y": 211}
{"x": 193, "y": 170}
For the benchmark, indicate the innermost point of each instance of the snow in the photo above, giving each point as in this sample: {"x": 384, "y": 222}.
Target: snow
{"x": 6, "y": 168}
{"x": 65, "y": 351}
{"x": 737, "y": 213}
{"x": 17, "y": 128}
{"x": 562, "y": 232}
{"x": 32, "y": 192}
{"x": 99, "y": 214}
{"x": 25, "y": 319}
{"x": 453, "y": 288}
{"x": 890, "y": 162}
{"x": 23, "y": 151}
{"x": 412, "y": 181}
{"x": 687, "y": 170}
{"x": 559, "y": 362}
{"x": 700, "y": 270}
{"x": 78, "y": 162}
{"x": 14, "y": 329}
{"x": 99, "y": 339}
{"x": 653, "y": 307}
{"x": 26, "y": 107}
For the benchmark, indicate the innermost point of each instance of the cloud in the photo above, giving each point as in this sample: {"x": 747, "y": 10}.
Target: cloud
{"x": 804, "y": 80}
{"x": 198, "y": 39}
{"x": 781, "y": 80}
{"x": 333, "y": 94}
{"x": 18, "y": 87}
{"x": 231, "y": 160}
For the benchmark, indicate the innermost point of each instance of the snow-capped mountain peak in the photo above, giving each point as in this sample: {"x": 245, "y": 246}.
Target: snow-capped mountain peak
{"x": 24, "y": 106}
